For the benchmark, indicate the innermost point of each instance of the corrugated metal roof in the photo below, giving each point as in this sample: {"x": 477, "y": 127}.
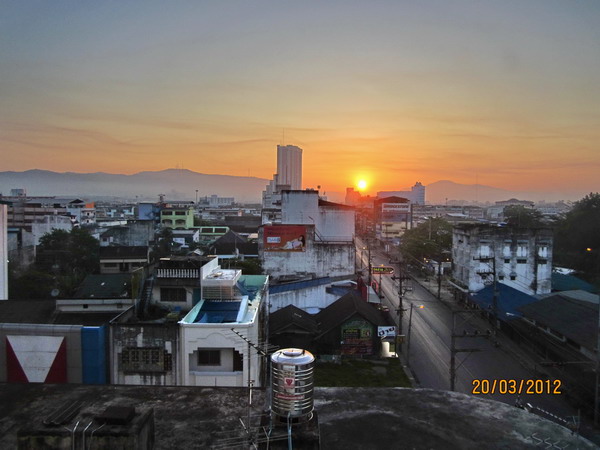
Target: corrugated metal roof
{"x": 296, "y": 285}
{"x": 509, "y": 299}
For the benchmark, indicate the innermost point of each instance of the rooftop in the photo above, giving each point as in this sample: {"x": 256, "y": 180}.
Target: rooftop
{"x": 349, "y": 418}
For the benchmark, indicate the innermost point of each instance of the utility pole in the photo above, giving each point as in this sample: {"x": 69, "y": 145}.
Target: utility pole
{"x": 439, "y": 280}
{"x": 454, "y": 350}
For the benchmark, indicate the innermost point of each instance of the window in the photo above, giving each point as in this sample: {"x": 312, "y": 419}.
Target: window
{"x": 521, "y": 261}
{"x": 109, "y": 264}
{"x": 501, "y": 277}
{"x": 542, "y": 262}
{"x": 173, "y": 295}
{"x": 513, "y": 277}
{"x": 209, "y": 357}
{"x": 145, "y": 359}
{"x": 507, "y": 261}
{"x": 238, "y": 361}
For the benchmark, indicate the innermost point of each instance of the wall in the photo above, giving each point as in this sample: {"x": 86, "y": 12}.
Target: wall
{"x": 164, "y": 336}
{"x": 316, "y": 261}
{"x": 3, "y": 253}
{"x": 522, "y": 254}
{"x": 309, "y": 299}
{"x": 41, "y": 353}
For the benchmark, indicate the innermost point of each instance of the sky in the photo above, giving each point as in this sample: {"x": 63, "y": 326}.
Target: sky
{"x": 503, "y": 93}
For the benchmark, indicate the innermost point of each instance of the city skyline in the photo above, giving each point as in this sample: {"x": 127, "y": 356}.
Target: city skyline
{"x": 502, "y": 94}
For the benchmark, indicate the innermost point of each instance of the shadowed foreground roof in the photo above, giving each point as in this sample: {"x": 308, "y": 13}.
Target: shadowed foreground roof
{"x": 350, "y": 418}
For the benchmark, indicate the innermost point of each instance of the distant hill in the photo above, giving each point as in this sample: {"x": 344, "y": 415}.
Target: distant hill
{"x": 444, "y": 190}
{"x": 176, "y": 184}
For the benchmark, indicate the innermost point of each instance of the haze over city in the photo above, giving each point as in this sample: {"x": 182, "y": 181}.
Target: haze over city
{"x": 498, "y": 93}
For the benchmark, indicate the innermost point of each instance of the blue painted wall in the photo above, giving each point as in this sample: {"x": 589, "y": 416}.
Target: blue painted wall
{"x": 93, "y": 355}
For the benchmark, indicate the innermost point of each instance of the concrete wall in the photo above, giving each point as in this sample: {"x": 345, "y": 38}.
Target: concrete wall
{"x": 41, "y": 353}
{"x": 523, "y": 257}
{"x": 3, "y": 253}
{"x": 309, "y": 299}
{"x": 317, "y": 261}
{"x": 144, "y": 335}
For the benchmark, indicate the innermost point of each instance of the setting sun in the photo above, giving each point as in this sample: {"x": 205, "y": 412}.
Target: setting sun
{"x": 362, "y": 184}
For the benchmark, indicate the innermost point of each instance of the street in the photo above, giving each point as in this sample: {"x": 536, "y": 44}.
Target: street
{"x": 430, "y": 344}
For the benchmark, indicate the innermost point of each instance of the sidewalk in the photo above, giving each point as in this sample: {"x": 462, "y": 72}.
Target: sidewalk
{"x": 524, "y": 356}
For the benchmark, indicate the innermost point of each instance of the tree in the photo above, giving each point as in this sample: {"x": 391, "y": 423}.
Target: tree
{"x": 63, "y": 259}
{"x": 519, "y": 216}
{"x": 429, "y": 240}
{"x": 577, "y": 241}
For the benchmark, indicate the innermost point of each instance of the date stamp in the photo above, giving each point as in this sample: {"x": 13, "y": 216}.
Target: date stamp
{"x": 485, "y": 386}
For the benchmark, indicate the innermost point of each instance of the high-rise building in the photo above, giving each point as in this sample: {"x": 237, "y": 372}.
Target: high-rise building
{"x": 289, "y": 166}
{"x": 416, "y": 195}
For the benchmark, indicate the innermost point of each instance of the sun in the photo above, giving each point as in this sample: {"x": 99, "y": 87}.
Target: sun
{"x": 362, "y": 184}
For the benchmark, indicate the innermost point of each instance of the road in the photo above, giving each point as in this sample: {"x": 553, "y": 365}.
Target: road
{"x": 430, "y": 343}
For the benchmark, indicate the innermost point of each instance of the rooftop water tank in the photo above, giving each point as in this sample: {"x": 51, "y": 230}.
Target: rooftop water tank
{"x": 292, "y": 382}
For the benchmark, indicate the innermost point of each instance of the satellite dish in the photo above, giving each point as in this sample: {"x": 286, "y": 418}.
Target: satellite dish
{"x": 54, "y": 292}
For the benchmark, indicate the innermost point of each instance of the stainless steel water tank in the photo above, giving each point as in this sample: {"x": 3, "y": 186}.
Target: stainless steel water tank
{"x": 292, "y": 382}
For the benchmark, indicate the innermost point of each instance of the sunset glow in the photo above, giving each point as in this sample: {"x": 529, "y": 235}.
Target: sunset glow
{"x": 504, "y": 94}
{"x": 362, "y": 185}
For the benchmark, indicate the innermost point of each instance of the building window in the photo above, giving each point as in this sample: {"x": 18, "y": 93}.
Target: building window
{"x": 507, "y": 261}
{"x": 173, "y": 295}
{"x": 513, "y": 277}
{"x": 145, "y": 359}
{"x": 521, "y": 261}
{"x": 238, "y": 361}
{"x": 501, "y": 277}
{"x": 542, "y": 262}
{"x": 109, "y": 264}
{"x": 209, "y": 357}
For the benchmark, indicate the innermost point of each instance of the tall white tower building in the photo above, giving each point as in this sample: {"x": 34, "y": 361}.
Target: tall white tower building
{"x": 289, "y": 166}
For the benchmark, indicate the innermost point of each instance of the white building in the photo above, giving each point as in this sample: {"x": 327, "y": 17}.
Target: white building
{"x": 3, "y": 253}
{"x": 416, "y": 195}
{"x": 518, "y": 257}
{"x": 315, "y": 239}
{"x": 289, "y": 166}
{"x": 47, "y": 224}
{"x": 212, "y": 354}
{"x": 288, "y": 177}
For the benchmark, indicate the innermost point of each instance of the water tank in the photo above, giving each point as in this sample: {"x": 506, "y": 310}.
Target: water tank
{"x": 292, "y": 383}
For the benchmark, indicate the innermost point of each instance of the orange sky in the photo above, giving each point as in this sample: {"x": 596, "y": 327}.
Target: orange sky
{"x": 504, "y": 94}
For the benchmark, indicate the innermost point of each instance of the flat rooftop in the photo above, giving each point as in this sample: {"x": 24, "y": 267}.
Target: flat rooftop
{"x": 349, "y": 418}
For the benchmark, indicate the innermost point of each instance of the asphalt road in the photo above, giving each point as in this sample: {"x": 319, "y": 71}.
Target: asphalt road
{"x": 430, "y": 343}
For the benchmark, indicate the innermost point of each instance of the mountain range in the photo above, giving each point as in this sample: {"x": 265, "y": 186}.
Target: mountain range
{"x": 181, "y": 184}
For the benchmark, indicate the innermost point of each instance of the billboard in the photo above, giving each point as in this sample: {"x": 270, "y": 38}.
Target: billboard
{"x": 357, "y": 338}
{"x": 284, "y": 238}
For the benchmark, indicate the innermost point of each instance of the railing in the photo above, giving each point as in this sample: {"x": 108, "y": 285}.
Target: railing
{"x": 177, "y": 273}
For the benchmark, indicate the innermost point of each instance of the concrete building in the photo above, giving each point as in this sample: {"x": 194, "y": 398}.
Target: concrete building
{"x": 289, "y": 166}
{"x": 416, "y": 194}
{"x": 518, "y": 257}
{"x": 177, "y": 218}
{"x": 212, "y": 351}
{"x": 40, "y": 343}
{"x": 47, "y": 224}
{"x": 123, "y": 259}
{"x": 288, "y": 177}
{"x": 393, "y": 216}
{"x": 315, "y": 239}
{"x": 3, "y": 253}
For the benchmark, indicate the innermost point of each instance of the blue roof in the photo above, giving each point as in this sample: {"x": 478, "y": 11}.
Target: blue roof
{"x": 509, "y": 299}
{"x": 562, "y": 282}
{"x": 294, "y": 286}
{"x": 218, "y": 312}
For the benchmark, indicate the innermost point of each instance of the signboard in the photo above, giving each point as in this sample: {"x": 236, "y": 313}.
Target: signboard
{"x": 284, "y": 238}
{"x": 396, "y": 207}
{"x": 357, "y": 338}
{"x": 386, "y": 331}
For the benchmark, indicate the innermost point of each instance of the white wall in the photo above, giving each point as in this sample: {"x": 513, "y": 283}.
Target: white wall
{"x": 3, "y": 253}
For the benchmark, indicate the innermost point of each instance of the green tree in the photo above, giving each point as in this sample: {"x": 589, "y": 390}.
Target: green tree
{"x": 63, "y": 259}
{"x": 577, "y": 240}
{"x": 429, "y": 240}
{"x": 519, "y": 216}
